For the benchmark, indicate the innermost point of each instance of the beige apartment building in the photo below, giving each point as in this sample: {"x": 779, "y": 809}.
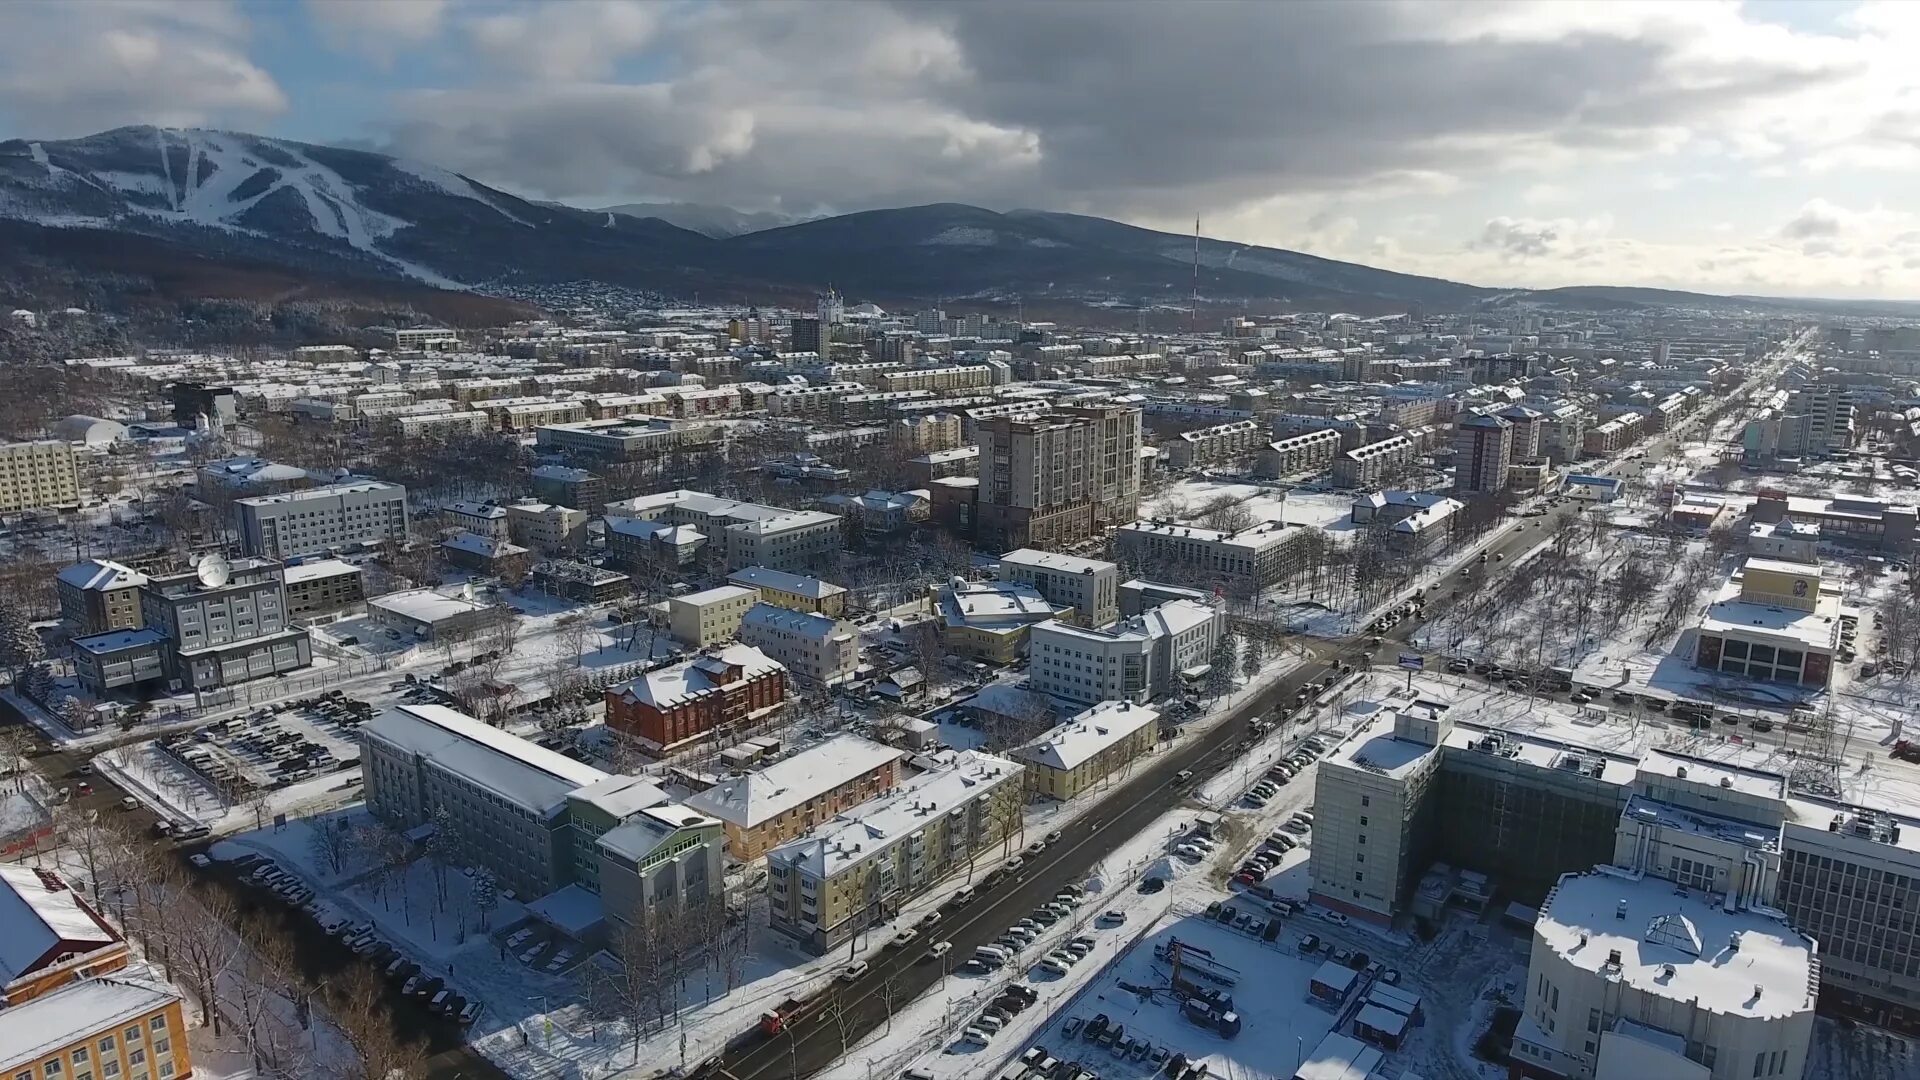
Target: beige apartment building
{"x": 795, "y": 592}
{"x": 864, "y": 866}
{"x": 787, "y": 799}
{"x": 1073, "y": 757}
{"x": 38, "y": 476}
{"x": 710, "y": 616}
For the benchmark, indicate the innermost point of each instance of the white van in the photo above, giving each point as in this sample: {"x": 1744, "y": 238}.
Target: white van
{"x": 992, "y": 954}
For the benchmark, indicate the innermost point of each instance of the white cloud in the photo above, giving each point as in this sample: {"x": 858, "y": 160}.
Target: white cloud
{"x": 379, "y": 29}
{"x": 72, "y": 69}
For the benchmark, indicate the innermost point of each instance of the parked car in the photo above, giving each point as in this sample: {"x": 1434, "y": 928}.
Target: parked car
{"x": 852, "y": 971}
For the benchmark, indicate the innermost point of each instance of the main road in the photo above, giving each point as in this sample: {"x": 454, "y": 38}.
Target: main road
{"x": 895, "y": 977}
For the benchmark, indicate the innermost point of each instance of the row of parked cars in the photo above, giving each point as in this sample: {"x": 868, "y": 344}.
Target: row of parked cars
{"x": 1021, "y": 934}
{"x": 1013, "y": 1001}
{"x": 1273, "y": 850}
{"x": 1111, "y": 1036}
{"x": 358, "y": 937}
{"x": 1313, "y": 945}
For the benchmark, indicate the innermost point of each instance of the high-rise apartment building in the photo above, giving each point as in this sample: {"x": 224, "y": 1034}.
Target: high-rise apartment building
{"x": 1483, "y": 449}
{"x": 38, "y": 476}
{"x": 1050, "y": 480}
{"x": 806, "y": 335}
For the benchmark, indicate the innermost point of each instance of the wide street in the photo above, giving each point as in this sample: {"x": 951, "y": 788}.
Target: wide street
{"x": 848, "y": 1011}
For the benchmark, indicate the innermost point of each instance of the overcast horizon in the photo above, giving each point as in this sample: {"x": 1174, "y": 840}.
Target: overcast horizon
{"x": 1765, "y": 148}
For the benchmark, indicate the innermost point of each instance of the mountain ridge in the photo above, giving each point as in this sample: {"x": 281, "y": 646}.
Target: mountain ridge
{"x": 355, "y": 214}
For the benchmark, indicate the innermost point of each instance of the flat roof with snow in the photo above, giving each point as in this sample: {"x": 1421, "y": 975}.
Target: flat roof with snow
{"x": 1678, "y": 944}
{"x": 1053, "y": 560}
{"x": 426, "y": 605}
{"x": 319, "y": 568}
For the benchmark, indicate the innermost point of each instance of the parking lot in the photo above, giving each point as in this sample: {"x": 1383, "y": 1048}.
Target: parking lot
{"x": 273, "y": 746}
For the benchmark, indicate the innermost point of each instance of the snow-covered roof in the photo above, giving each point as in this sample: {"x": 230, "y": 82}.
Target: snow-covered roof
{"x": 761, "y": 577}
{"x": 805, "y": 625}
{"x": 39, "y": 914}
{"x": 426, "y": 605}
{"x": 45, "y": 1025}
{"x": 875, "y": 826}
{"x": 489, "y": 547}
{"x": 717, "y": 595}
{"x": 319, "y": 568}
{"x": 490, "y": 511}
{"x": 747, "y": 801}
{"x": 641, "y": 835}
{"x": 116, "y": 640}
{"x": 620, "y": 797}
{"x": 1053, "y": 560}
{"x": 330, "y": 491}
{"x": 1679, "y": 945}
{"x": 785, "y": 521}
{"x": 510, "y": 767}
{"x": 572, "y": 910}
{"x": 993, "y": 605}
{"x": 682, "y": 682}
{"x": 101, "y": 574}
{"x": 1081, "y": 737}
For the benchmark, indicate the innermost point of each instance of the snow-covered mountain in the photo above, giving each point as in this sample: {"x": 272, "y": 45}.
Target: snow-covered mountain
{"x": 230, "y": 198}
{"x": 296, "y": 203}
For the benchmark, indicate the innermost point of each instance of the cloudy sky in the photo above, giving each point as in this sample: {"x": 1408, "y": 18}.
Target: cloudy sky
{"x": 1768, "y": 147}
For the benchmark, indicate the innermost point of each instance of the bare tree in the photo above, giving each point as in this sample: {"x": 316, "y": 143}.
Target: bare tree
{"x": 356, "y": 1004}
{"x": 331, "y": 839}
{"x": 202, "y": 945}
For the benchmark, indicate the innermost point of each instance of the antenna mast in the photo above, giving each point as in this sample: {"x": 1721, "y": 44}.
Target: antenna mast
{"x": 1193, "y": 306}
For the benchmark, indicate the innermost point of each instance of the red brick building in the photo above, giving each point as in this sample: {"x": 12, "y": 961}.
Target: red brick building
{"x": 718, "y": 689}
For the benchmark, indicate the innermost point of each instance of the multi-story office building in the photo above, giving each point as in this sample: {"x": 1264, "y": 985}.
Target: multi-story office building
{"x": 1374, "y": 464}
{"x": 202, "y": 629}
{"x": 323, "y": 589}
{"x": 541, "y": 822}
{"x": 1050, "y": 480}
{"x": 38, "y": 476}
{"x": 322, "y": 519}
{"x": 1563, "y": 434}
{"x": 690, "y": 700}
{"x": 1483, "y": 449}
{"x": 795, "y": 592}
{"x": 1632, "y": 973}
{"x": 1254, "y": 557}
{"x": 768, "y": 807}
{"x": 1304, "y": 453}
{"x": 1418, "y": 790}
{"x": 1226, "y": 442}
{"x": 566, "y": 486}
{"x": 119, "y": 1027}
{"x": 1089, "y": 586}
{"x": 99, "y": 595}
{"x": 1073, "y": 757}
{"x": 817, "y": 650}
{"x": 749, "y": 534}
{"x": 712, "y": 615}
{"x": 862, "y": 868}
{"x": 546, "y": 527}
{"x": 1138, "y": 659}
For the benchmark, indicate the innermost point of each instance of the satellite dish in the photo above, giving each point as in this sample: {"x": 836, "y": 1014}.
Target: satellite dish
{"x": 214, "y": 570}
